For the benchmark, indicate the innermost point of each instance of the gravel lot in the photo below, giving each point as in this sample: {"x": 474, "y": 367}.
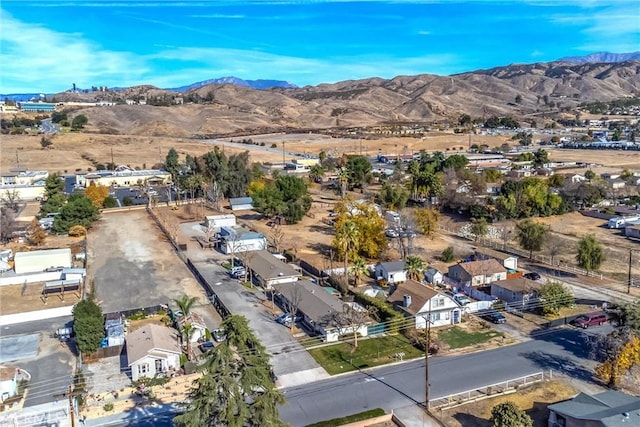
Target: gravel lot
{"x": 133, "y": 266}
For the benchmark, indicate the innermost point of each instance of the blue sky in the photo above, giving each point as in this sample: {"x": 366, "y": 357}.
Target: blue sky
{"x": 47, "y": 45}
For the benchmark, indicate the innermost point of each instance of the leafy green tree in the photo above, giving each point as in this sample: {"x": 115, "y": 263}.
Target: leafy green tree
{"x": 426, "y": 220}
{"x": 370, "y": 228}
{"x": 415, "y": 267}
{"x": 54, "y": 184}
{"x": 465, "y": 120}
{"x": 110, "y": 202}
{"x": 589, "y": 175}
{"x": 456, "y": 162}
{"x": 554, "y": 296}
{"x": 88, "y": 324}
{"x": 530, "y": 235}
{"x": 78, "y": 211}
{"x": 590, "y": 253}
{"x": 508, "y": 414}
{"x": 626, "y": 314}
{"x": 479, "y": 228}
{"x": 58, "y": 116}
{"x": 393, "y": 196}
{"x": 518, "y": 99}
{"x": 79, "y": 122}
{"x": 359, "y": 170}
{"x": 172, "y": 163}
{"x": 287, "y": 196}
{"x": 235, "y": 389}
{"x": 448, "y": 254}
{"x": 185, "y": 303}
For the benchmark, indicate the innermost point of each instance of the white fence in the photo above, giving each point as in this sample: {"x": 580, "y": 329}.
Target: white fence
{"x": 486, "y": 391}
{"x": 30, "y": 278}
{"x": 51, "y": 313}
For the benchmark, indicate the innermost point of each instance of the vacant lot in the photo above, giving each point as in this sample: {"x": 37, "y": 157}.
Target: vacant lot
{"x": 534, "y": 400}
{"x": 132, "y": 265}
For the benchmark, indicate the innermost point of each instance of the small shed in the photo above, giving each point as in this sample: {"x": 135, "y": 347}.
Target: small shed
{"x": 434, "y": 276}
{"x": 508, "y": 261}
{"x": 217, "y": 221}
{"x": 241, "y": 203}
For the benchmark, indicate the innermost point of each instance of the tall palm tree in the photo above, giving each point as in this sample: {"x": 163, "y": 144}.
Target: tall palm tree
{"x": 343, "y": 180}
{"x": 347, "y": 238}
{"x": 185, "y": 304}
{"x": 187, "y": 333}
{"x": 358, "y": 269}
{"x": 415, "y": 266}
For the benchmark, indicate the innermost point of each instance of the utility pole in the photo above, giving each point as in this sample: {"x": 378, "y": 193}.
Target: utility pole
{"x": 112, "y": 158}
{"x": 630, "y": 279}
{"x": 282, "y": 153}
{"x": 427, "y": 345}
{"x": 18, "y": 160}
{"x": 70, "y": 395}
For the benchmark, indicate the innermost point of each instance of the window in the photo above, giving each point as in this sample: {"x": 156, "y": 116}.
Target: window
{"x": 159, "y": 367}
{"x": 440, "y": 302}
{"x": 143, "y": 368}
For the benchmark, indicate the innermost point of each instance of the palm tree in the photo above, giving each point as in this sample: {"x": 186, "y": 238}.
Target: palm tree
{"x": 187, "y": 333}
{"x": 347, "y": 238}
{"x": 185, "y": 304}
{"x": 358, "y": 269}
{"x": 415, "y": 266}
{"x": 343, "y": 179}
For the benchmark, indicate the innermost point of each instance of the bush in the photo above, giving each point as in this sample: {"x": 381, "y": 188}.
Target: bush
{"x": 108, "y": 407}
{"x": 385, "y": 311}
{"x": 77, "y": 230}
{"x": 127, "y": 201}
{"x": 274, "y": 145}
{"x": 448, "y": 254}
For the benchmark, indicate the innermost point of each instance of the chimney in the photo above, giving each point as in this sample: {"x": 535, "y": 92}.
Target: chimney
{"x": 406, "y": 301}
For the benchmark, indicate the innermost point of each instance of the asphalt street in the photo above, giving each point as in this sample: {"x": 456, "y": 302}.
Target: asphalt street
{"x": 398, "y": 386}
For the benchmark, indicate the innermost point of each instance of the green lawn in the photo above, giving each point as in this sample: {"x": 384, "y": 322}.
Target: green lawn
{"x": 336, "y": 359}
{"x": 457, "y": 337}
{"x": 367, "y": 415}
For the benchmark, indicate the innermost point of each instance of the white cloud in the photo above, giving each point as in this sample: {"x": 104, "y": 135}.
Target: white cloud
{"x": 424, "y": 33}
{"x": 36, "y": 59}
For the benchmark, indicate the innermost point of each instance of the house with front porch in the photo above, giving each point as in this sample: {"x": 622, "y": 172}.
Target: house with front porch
{"x": 199, "y": 328}
{"x": 477, "y": 273}
{"x": 607, "y": 409}
{"x": 421, "y": 302}
{"x": 153, "y": 350}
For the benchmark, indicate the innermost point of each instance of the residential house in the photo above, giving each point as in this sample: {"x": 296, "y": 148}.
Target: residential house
{"x": 152, "y": 350}
{"x": 417, "y": 300}
{"x": 268, "y": 270}
{"x": 606, "y": 409}
{"x": 477, "y": 273}
{"x": 434, "y": 276}
{"x": 509, "y": 262}
{"x": 392, "y": 272}
{"x": 241, "y": 203}
{"x": 617, "y": 184}
{"x": 319, "y": 308}
{"x": 237, "y": 239}
{"x": 576, "y": 178}
{"x": 610, "y": 176}
{"x": 517, "y": 292}
{"x": 632, "y": 231}
{"x": 8, "y": 382}
{"x": 199, "y": 328}
{"x": 124, "y": 176}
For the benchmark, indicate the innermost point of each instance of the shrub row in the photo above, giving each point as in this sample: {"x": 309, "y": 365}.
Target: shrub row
{"x": 385, "y": 310}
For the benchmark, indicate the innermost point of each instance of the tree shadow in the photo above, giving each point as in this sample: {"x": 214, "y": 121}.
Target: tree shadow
{"x": 561, "y": 364}
{"x": 319, "y": 228}
{"x": 466, "y": 419}
{"x": 322, "y": 248}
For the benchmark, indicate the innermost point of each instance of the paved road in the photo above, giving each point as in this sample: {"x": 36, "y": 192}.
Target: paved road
{"x": 402, "y": 385}
{"x": 49, "y": 127}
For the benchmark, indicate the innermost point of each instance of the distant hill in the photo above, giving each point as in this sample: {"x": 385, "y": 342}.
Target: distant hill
{"x": 602, "y": 57}
{"x": 254, "y": 84}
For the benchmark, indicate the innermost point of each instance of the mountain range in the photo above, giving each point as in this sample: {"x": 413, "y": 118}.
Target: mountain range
{"x": 525, "y": 91}
{"x": 602, "y": 57}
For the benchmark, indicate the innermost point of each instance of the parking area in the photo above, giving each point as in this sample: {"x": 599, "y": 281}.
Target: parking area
{"x": 291, "y": 362}
{"x": 131, "y": 265}
{"x": 49, "y": 362}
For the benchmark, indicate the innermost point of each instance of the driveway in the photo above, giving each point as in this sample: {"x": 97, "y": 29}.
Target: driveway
{"x": 132, "y": 265}
{"x": 291, "y": 362}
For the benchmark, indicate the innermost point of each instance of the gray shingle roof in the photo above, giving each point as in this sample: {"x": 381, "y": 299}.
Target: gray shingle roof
{"x": 149, "y": 337}
{"x": 313, "y": 301}
{"x": 608, "y": 407}
{"x": 268, "y": 267}
{"x": 392, "y": 266}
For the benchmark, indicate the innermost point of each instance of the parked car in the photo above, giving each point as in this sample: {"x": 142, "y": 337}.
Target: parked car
{"x": 391, "y": 233}
{"x": 219, "y": 334}
{"x": 206, "y": 346}
{"x": 237, "y": 272}
{"x": 284, "y": 318}
{"x": 461, "y": 299}
{"x": 590, "y": 319}
{"x": 494, "y": 317}
{"x": 532, "y": 276}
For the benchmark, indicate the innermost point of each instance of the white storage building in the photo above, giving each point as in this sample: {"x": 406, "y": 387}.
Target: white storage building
{"x": 38, "y": 261}
{"x": 217, "y": 221}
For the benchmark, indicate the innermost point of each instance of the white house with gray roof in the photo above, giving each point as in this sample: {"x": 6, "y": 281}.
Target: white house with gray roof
{"x": 238, "y": 239}
{"x": 152, "y": 350}
{"x": 268, "y": 270}
{"x": 392, "y": 272}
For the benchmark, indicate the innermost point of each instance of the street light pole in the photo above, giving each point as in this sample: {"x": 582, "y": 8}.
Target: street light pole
{"x": 426, "y": 360}
{"x": 630, "y": 279}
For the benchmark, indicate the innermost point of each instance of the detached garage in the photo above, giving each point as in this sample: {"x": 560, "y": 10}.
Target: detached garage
{"x": 38, "y": 261}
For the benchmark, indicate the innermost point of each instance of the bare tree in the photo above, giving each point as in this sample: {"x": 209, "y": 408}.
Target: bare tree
{"x": 7, "y": 223}
{"x": 406, "y": 229}
{"x": 11, "y": 199}
{"x": 291, "y": 303}
{"x": 246, "y": 257}
{"x": 276, "y": 235}
{"x": 554, "y": 245}
{"x": 351, "y": 319}
{"x": 212, "y": 194}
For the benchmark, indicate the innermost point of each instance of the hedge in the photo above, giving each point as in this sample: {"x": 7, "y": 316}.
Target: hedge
{"x": 385, "y": 310}
{"x": 372, "y": 413}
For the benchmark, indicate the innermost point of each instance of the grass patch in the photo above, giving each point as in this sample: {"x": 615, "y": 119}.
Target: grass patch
{"x": 458, "y": 338}
{"x": 371, "y": 413}
{"x": 338, "y": 358}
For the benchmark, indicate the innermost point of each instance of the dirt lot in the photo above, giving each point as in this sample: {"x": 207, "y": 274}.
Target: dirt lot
{"x": 20, "y": 299}
{"x": 534, "y": 400}
{"x": 132, "y": 265}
